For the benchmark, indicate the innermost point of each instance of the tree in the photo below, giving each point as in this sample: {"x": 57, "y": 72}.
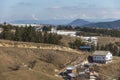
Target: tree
{"x": 18, "y": 34}
{"x": 45, "y": 29}
{"x": 76, "y": 44}
{"x": 29, "y": 34}
{"x": 39, "y": 37}
{"x": 7, "y": 34}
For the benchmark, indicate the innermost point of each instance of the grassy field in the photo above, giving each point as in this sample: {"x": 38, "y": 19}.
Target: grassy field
{"x": 66, "y": 39}
{"x": 110, "y": 71}
{"x": 101, "y": 40}
{"x": 32, "y": 64}
{"x": 28, "y": 62}
{"x": 107, "y": 40}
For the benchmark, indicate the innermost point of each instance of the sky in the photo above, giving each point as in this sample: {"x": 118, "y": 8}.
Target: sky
{"x": 58, "y": 9}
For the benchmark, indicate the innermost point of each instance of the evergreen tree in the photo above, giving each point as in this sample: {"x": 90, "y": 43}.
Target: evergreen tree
{"x": 77, "y": 43}
{"x": 7, "y": 34}
{"x": 18, "y": 34}
{"x": 45, "y": 29}
{"x": 39, "y": 37}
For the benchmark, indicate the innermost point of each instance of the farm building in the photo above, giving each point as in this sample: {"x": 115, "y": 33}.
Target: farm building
{"x": 102, "y": 56}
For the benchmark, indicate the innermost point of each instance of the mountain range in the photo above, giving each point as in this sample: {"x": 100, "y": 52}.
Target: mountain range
{"x": 109, "y": 24}
{"x": 78, "y": 22}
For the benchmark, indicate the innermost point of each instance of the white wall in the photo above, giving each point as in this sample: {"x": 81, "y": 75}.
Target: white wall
{"x": 109, "y": 56}
{"x": 60, "y": 32}
{"x": 102, "y": 57}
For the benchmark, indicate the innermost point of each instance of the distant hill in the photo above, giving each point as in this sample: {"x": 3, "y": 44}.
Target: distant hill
{"x": 79, "y": 22}
{"x": 112, "y": 24}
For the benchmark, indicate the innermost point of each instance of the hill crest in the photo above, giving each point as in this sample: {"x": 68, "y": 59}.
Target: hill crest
{"x": 79, "y": 22}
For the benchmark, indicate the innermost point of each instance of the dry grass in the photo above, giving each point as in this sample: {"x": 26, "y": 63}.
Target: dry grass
{"x": 110, "y": 71}
{"x": 44, "y": 68}
{"x": 101, "y": 40}
{"x": 107, "y": 40}
{"x": 66, "y": 39}
{"x": 15, "y": 63}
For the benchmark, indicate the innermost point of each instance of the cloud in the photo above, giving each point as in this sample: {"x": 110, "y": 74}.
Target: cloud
{"x": 63, "y": 7}
{"x": 22, "y": 5}
{"x": 92, "y": 6}
{"x": 34, "y": 17}
{"x": 55, "y": 7}
{"x": 77, "y": 7}
{"x": 65, "y": 16}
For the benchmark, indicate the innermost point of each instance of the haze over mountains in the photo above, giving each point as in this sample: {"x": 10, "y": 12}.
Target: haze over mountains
{"x": 112, "y": 24}
{"x": 54, "y": 22}
{"x": 78, "y": 22}
{"x": 109, "y": 24}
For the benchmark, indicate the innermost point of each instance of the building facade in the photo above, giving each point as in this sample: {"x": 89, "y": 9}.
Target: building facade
{"x": 102, "y": 56}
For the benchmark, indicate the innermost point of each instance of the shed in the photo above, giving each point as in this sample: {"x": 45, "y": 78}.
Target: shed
{"x": 88, "y": 48}
{"x": 71, "y": 69}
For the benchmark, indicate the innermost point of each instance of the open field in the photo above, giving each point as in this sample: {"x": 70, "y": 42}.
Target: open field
{"x": 101, "y": 40}
{"x": 30, "y": 63}
{"x": 66, "y": 39}
{"x": 110, "y": 71}
{"x": 107, "y": 40}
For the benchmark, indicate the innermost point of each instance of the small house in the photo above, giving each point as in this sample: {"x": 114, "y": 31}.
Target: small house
{"x": 102, "y": 56}
{"x": 71, "y": 69}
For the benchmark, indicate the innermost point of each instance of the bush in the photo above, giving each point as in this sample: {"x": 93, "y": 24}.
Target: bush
{"x": 31, "y": 64}
{"x": 14, "y": 67}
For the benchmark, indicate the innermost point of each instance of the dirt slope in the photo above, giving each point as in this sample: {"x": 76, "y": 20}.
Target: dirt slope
{"x": 31, "y": 61}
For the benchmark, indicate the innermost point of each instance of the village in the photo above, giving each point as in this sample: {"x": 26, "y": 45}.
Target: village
{"x": 87, "y": 70}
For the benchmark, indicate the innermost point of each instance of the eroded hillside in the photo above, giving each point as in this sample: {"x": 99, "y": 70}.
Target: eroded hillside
{"x": 30, "y": 61}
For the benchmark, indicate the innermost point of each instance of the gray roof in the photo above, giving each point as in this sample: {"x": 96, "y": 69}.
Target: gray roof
{"x": 70, "y": 67}
{"x": 101, "y": 53}
{"x": 71, "y": 75}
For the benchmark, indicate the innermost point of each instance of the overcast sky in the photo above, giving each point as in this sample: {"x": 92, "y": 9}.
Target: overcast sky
{"x": 58, "y": 9}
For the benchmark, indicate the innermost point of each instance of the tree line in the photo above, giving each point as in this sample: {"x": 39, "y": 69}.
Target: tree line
{"x": 28, "y": 34}
{"x": 77, "y": 43}
{"x": 101, "y": 32}
{"x": 112, "y": 47}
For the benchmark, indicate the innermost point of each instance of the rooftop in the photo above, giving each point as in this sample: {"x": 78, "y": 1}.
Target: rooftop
{"x": 101, "y": 52}
{"x": 71, "y": 75}
{"x": 70, "y": 67}
{"x": 83, "y": 47}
